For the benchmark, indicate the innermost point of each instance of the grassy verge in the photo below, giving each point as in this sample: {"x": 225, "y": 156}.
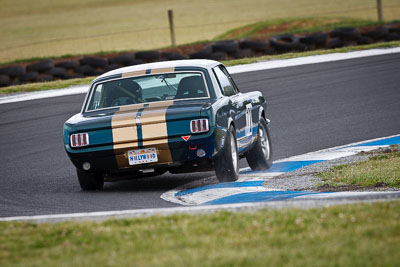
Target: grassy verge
{"x": 348, "y": 235}
{"x": 382, "y": 168}
{"x": 67, "y": 83}
{"x": 88, "y": 26}
{"x": 31, "y": 87}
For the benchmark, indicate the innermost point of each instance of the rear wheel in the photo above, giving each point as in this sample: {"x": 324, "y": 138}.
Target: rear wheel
{"x": 260, "y": 156}
{"x": 226, "y": 165}
{"x": 90, "y": 180}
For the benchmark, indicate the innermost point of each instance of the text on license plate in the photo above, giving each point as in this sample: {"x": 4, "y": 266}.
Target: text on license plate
{"x": 144, "y": 155}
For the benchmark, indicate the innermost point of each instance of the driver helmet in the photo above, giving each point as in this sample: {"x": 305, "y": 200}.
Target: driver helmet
{"x": 132, "y": 86}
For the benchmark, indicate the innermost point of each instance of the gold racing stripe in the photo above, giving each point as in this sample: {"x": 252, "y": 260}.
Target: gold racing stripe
{"x": 152, "y": 120}
{"x": 134, "y": 73}
{"x": 162, "y": 70}
{"x": 123, "y": 124}
{"x": 154, "y": 129}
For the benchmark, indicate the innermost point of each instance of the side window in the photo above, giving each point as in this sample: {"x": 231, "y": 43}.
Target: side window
{"x": 228, "y": 88}
{"x": 95, "y": 103}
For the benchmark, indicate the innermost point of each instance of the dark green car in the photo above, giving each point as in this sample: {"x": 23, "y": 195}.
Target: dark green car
{"x": 177, "y": 116}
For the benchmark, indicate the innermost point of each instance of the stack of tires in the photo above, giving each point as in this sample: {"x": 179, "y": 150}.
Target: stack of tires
{"x": 49, "y": 70}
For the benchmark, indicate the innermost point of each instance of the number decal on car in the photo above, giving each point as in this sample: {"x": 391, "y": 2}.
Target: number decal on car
{"x": 249, "y": 120}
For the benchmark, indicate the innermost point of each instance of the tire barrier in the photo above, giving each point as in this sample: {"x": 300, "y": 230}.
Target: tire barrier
{"x": 286, "y": 43}
{"x": 228, "y": 46}
{"x": 13, "y": 71}
{"x": 95, "y": 62}
{"x": 173, "y": 56}
{"x": 255, "y": 45}
{"x": 40, "y": 66}
{"x": 379, "y": 33}
{"x": 346, "y": 33}
{"x": 203, "y": 53}
{"x": 148, "y": 56}
{"x": 334, "y": 43}
{"x": 49, "y": 69}
{"x": 218, "y": 56}
{"x": 122, "y": 60}
{"x": 314, "y": 40}
{"x": 68, "y": 64}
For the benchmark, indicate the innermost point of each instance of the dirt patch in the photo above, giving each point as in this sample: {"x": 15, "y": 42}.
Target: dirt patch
{"x": 341, "y": 188}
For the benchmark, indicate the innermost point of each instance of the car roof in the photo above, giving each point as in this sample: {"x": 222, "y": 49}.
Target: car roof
{"x": 203, "y": 63}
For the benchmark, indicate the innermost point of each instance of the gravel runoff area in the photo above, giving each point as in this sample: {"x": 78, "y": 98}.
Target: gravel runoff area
{"x": 306, "y": 178}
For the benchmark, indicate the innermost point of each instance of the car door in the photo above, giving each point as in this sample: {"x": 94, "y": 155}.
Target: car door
{"x": 241, "y": 107}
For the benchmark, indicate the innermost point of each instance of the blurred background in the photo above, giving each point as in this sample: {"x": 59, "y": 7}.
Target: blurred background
{"x": 44, "y": 28}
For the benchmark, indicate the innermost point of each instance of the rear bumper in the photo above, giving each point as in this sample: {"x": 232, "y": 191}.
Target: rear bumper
{"x": 171, "y": 153}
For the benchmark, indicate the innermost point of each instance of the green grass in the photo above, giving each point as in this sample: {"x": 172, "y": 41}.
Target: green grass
{"x": 66, "y": 83}
{"x": 31, "y": 87}
{"x": 382, "y": 168}
{"x": 348, "y": 235}
{"x": 45, "y": 28}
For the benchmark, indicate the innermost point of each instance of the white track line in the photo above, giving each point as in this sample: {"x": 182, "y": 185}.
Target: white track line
{"x": 200, "y": 197}
{"x": 266, "y": 65}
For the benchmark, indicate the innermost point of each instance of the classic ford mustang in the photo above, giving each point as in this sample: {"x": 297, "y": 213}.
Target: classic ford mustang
{"x": 177, "y": 116}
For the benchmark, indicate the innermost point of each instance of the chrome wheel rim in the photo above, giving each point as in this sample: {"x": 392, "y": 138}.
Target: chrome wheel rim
{"x": 264, "y": 142}
{"x": 233, "y": 152}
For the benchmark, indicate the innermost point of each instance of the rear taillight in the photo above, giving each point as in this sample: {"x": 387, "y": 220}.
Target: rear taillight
{"x": 79, "y": 140}
{"x": 199, "y": 126}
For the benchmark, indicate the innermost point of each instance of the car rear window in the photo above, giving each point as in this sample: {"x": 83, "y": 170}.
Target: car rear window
{"x": 145, "y": 89}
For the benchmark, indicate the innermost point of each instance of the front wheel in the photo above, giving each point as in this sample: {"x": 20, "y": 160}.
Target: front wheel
{"x": 260, "y": 156}
{"x": 226, "y": 165}
{"x": 90, "y": 180}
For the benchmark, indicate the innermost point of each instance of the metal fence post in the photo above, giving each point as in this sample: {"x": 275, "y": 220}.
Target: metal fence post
{"x": 379, "y": 8}
{"x": 171, "y": 26}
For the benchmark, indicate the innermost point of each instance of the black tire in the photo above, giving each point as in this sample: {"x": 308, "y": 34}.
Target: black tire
{"x": 173, "y": 56}
{"x": 13, "y": 71}
{"x": 392, "y": 37}
{"x": 346, "y": 33}
{"x": 90, "y": 181}
{"x": 95, "y": 62}
{"x": 286, "y": 43}
{"x": 218, "y": 56}
{"x": 203, "y": 53}
{"x": 112, "y": 67}
{"x": 394, "y": 27}
{"x": 225, "y": 46}
{"x": 57, "y": 72}
{"x": 363, "y": 40}
{"x": 317, "y": 38}
{"x": 124, "y": 59}
{"x": 243, "y": 53}
{"x": 29, "y": 77}
{"x": 67, "y": 64}
{"x": 148, "y": 55}
{"x": 255, "y": 45}
{"x": 260, "y": 156}
{"x": 334, "y": 43}
{"x": 377, "y": 34}
{"x": 227, "y": 164}
{"x": 4, "y": 80}
{"x": 41, "y": 66}
{"x": 86, "y": 70}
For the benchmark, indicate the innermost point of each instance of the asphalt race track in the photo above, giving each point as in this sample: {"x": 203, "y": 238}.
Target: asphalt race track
{"x": 311, "y": 107}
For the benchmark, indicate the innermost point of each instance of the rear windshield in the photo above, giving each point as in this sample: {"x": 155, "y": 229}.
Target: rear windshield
{"x": 145, "y": 89}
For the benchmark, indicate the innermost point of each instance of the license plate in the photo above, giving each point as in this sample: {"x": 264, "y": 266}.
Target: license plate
{"x": 144, "y": 155}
